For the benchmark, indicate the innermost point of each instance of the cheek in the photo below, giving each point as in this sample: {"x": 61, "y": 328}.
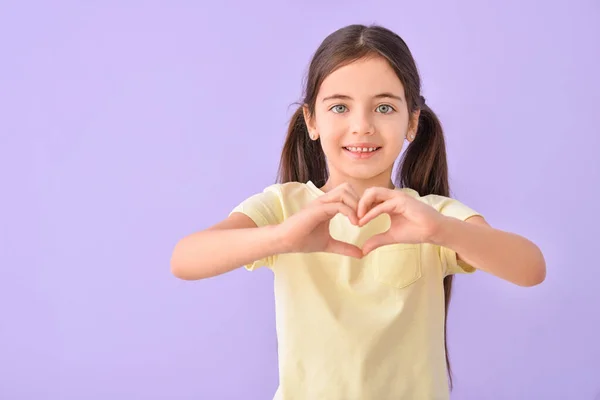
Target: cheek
{"x": 332, "y": 132}
{"x": 331, "y": 146}
{"x": 395, "y": 142}
{"x": 393, "y": 130}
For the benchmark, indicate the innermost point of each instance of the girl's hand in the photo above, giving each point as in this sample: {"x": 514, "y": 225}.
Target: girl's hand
{"x": 412, "y": 221}
{"x": 308, "y": 230}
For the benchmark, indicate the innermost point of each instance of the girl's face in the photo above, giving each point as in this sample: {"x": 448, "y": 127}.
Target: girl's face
{"x": 362, "y": 119}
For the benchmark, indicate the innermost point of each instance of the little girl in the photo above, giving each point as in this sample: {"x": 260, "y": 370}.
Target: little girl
{"x": 362, "y": 262}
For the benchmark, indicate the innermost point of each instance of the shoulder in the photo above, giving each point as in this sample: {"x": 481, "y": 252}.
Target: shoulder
{"x": 281, "y": 195}
{"x": 288, "y": 190}
{"x": 445, "y": 205}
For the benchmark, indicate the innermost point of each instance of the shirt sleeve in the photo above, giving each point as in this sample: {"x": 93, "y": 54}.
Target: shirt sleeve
{"x": 264, "y": 208}
{"x": 455, "y": 209}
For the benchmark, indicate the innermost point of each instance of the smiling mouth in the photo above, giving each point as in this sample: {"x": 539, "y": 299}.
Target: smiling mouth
{"x": 362, "y": 153}
{"x": 361, "y": 150}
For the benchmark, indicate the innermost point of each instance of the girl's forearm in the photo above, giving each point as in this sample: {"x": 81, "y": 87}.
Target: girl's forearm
{"x": 213, "y": 252}
{"x": 503, "y": 254}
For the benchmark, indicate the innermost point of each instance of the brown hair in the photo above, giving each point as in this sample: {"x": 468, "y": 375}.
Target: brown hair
{"x": 423, "y": 166}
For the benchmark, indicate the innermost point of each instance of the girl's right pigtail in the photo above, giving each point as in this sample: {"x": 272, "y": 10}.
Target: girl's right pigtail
{"x": 302, "y": 158}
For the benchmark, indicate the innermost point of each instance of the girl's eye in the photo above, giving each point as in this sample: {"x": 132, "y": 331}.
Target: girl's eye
{"x": 385, "y": 109}
{"x": 340, "y": 108}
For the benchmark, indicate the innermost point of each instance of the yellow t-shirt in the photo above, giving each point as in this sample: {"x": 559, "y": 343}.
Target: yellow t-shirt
{"x": 358, "y": 329}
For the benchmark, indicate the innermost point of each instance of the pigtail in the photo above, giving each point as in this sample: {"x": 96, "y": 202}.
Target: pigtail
{"x": 302, "y": 159}
{"x": 424, "y": 165}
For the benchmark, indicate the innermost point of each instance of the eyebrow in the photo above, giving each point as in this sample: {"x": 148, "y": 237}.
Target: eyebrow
{"x": 378, "y": 96}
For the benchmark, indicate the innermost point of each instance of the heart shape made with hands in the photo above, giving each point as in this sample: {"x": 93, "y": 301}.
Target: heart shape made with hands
{"x": 411, "y": 220}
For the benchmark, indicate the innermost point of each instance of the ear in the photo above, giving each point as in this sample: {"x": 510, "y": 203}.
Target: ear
{"x": 310, "y": 123}
{"x": 413, "y": 126}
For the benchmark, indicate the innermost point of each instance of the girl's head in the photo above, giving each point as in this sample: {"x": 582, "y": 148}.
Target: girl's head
{"x": 361, "y": 117}
{"x": 363, "y": 90}
{"x": 363, "y": 87}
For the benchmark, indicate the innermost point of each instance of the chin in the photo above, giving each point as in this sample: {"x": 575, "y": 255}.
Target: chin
{"x": 363, "y": 172}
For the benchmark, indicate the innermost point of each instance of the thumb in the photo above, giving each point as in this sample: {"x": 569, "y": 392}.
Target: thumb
{"x": 376, "y": 241}
{"x": 343, "y": 248}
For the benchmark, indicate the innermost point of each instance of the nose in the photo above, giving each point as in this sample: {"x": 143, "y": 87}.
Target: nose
{"x": 362, "y": 123}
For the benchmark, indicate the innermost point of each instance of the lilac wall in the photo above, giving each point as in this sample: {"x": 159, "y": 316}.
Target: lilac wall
{"x": 125, "y": 127}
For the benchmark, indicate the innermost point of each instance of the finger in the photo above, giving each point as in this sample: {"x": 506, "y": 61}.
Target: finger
{"x": 343, "y": 248}
{"x": 350, "y": 199}
{"x": 349, "y": 188}
{"x": 377, "y": 241}
{"x": 343, "y": 196}
{"x": 330, "y": 210}
{"x": 383, "y": 208}
{"x": 372, "y": 196}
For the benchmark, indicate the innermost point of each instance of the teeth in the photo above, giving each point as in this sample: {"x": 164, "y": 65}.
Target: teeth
{"x": 361, "y": 149}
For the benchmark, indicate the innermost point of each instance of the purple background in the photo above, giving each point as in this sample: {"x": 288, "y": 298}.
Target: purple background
{"x": 126, "y": 125}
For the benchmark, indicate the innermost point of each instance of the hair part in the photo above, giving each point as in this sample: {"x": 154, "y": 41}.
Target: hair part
{"x": 423, "y": 166}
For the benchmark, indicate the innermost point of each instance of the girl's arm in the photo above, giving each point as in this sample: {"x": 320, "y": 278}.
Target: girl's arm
{"x": 226, "y": 246}
{"x": 503, "y": 254}
{"x": 238, "y": 240}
